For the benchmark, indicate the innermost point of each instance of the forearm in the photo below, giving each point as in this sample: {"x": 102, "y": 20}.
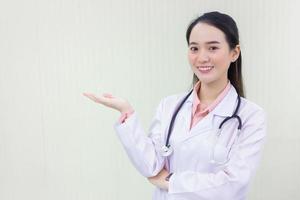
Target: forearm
{"x": 139, "y": 148}
{"x": 161, "y": 180}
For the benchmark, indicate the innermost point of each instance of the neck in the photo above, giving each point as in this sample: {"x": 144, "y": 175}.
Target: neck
{"x": 209, "y": 92}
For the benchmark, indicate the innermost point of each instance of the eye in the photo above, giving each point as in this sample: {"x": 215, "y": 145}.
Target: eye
{"x": 213, "y": 48}
{"x": 193, "y": 49}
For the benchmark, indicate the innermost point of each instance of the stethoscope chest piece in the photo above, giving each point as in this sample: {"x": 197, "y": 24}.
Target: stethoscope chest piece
{"x": 166, "y": 150}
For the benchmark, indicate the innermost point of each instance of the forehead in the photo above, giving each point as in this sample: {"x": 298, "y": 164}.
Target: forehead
{"x": 202, "y": 33}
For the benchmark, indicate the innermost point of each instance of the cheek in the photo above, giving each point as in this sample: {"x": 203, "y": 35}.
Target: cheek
{"x": 221, "y": 59}
{"x": 191, "y": 58}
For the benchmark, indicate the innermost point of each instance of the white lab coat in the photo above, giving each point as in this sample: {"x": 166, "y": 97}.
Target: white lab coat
{"x": 195, "y": 177}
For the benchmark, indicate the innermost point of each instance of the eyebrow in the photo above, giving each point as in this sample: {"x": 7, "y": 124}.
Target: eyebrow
{"x": 210, "y": 42}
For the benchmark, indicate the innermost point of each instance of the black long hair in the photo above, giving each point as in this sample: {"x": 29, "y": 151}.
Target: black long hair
{"x": 227, "y": 25}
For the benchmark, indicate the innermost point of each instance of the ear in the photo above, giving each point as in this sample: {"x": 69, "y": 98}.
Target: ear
{"x": 235, "y": 53}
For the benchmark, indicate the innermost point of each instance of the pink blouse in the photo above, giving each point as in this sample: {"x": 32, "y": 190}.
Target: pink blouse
{"x": 201, "y": 110}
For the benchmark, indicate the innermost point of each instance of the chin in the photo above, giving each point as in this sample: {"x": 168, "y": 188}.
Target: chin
{"x": 206, "y": 80}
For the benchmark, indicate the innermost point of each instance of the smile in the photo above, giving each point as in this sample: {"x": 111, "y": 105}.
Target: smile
{"x": 205, "y": 69}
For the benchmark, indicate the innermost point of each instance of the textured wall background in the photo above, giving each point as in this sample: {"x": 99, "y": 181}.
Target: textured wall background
{"x": 56, "y": 144}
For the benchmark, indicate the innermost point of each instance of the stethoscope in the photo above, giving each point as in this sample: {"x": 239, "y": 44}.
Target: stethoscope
{"x": 167, "y": 150}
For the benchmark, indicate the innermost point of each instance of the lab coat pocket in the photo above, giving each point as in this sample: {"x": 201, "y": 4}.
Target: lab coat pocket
{"x": 219, "y": 154}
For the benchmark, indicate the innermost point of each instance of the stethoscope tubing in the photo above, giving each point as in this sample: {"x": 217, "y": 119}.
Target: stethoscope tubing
{"x": 174, "y": 117}
{"x": 234, "y": 115}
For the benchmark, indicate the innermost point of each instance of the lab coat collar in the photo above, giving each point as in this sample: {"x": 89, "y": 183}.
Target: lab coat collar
{"x": 226, "y": 107}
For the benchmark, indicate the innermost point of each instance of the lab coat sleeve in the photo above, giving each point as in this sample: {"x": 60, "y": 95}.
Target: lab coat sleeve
{"x": 231, "y": 181}
{"x": 140, "y": 148}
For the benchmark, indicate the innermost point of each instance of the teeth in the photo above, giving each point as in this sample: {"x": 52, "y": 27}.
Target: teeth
{"x": 205, "y": 68}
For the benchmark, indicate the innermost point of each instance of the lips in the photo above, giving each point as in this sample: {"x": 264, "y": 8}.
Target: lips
{"x": 205, "y": 69}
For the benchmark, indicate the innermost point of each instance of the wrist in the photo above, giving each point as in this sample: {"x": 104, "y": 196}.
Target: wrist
{"x": 127, "y": 110}
{"x": 168, "y": 177}
{"x": 166, "y": 187}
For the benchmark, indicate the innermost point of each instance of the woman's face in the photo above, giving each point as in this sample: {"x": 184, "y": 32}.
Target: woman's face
{"x": 209, "y": 54}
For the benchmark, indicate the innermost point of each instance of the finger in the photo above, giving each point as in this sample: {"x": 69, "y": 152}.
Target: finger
{"x": 101, "y": 99}
{"x": 90, "y": 96}
{"x": 108, "y": 95}
{"x": 94, "y": 98}
{"x": 151, "y": 181}
{"x": 87, "y": 94}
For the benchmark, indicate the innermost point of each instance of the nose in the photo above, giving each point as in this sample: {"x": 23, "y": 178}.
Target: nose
{"x": 202, "y": 56}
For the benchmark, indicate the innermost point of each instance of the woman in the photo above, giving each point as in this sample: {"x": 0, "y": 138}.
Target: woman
{"x": 211, "y": 148}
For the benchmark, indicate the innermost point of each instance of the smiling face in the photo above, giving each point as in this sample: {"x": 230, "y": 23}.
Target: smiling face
{"x": 209, "y": 54}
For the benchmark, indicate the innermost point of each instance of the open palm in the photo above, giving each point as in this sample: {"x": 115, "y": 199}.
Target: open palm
{"x": 108, "y": 100}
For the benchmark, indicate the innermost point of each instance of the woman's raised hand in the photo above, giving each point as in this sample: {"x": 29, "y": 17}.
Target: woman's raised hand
{"x": 109, "y": 100}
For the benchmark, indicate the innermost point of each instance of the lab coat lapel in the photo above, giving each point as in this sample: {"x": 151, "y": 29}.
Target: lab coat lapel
{"x": 186, "y": 114}
{"x": 184, "y": 134}
{"x": 225, "y": 108}
{"x": 203, "y": 124}
{"x": 184, "y": 119}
